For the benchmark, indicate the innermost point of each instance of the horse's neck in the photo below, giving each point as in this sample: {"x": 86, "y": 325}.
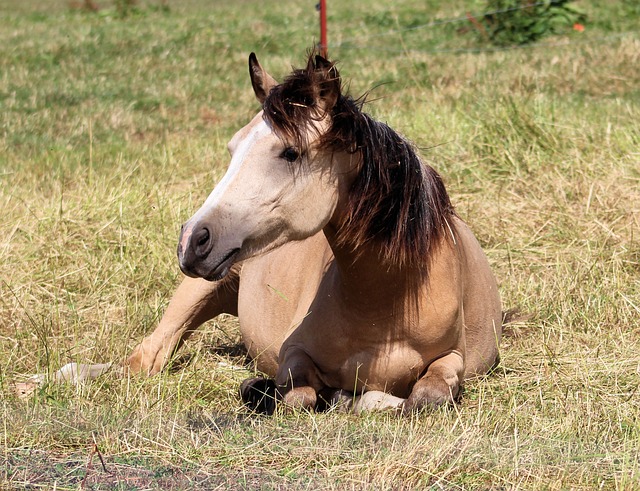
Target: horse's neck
{"x": 363, "y": 277}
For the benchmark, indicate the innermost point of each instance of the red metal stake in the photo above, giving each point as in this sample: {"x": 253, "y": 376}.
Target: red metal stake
{"x": 323, "y": 28}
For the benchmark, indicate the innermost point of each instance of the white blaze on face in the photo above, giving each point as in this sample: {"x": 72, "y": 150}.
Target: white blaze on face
{"x": 258, "y": 131}
{"x": 239, "y": 155}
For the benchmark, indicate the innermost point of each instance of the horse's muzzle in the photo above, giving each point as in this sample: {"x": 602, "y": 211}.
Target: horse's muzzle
{"x": 194, "y": 246}
{"x": 197, "y": 257}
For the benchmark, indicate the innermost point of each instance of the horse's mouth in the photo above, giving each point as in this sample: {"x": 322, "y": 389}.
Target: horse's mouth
{"x": 223, "y": 267}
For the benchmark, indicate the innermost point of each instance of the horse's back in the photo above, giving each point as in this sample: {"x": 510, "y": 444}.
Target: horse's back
{"x": 481, "y": 305}
{"x": 275, "y": 292}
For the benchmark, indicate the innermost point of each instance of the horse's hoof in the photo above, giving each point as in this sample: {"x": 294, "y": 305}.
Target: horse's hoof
{"x": 259, "y": 394}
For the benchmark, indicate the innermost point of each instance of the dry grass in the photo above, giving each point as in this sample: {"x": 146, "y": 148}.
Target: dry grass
{"x": 114, "y": 131}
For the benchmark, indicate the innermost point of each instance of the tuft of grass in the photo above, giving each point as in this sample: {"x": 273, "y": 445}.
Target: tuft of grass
{"x": 113, "y": 131}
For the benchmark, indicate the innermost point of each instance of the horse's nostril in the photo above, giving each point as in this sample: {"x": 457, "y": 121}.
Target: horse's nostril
{"x": 202, "y": 243}
{"x": 203, "y": 237}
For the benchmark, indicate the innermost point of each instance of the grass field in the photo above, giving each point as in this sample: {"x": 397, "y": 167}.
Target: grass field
{"x": 113, "y": 131}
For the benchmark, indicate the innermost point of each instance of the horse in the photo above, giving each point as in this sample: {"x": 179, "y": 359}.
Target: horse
{"x": 341, "y": 254}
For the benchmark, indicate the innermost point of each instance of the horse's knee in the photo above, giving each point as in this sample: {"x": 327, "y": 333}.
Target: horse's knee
{"x": 430, "y": 392}
{"x": 143, "y": 360}
{"x": 300, "y": 398}
{"x": 298, "y": 377}
{"x": 440, "y": 385}
{"x": 135, "y": 362}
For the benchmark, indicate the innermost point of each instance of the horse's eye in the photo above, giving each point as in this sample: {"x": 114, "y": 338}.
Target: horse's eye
{"x": 290, "y": 154}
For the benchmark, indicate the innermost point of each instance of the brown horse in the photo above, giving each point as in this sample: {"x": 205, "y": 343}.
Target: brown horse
{"x": 339, "y": 251}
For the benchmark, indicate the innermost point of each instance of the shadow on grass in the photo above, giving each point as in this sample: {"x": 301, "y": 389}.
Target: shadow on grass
{"x": 235, "y": 353}
{"x": 34, "y": 469}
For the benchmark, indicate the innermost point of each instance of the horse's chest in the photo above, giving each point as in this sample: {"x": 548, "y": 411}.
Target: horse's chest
{"x": 359, "y": 357}
{"x": 389, "y": 352}
{"x": 389, "y": 367}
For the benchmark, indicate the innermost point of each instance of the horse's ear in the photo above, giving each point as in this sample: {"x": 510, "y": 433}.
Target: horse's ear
{"x": 261, "y": 81}
{"x": 329, "y": 82}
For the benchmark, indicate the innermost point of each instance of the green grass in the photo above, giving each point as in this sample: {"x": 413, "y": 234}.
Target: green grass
{"x": 113, "y": 131}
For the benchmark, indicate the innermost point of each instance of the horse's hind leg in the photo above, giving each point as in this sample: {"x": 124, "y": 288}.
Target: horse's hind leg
{"x": 439, "y": 385}
{"x": 194, "y": 302}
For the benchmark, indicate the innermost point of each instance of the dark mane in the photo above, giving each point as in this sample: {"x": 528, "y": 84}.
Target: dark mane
{"x": 396, "y": 201}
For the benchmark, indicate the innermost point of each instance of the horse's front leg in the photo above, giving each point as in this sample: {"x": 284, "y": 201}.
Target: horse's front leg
{"x": 194, "y": 302}
{"x": 298, "y": 380}
{"x": 439, "y": 385}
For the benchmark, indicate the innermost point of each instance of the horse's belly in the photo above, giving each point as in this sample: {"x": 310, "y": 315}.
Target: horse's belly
{"x": 276, "y": 290}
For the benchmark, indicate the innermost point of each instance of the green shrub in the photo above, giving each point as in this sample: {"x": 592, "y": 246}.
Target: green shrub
{"x": 510, "y": 22}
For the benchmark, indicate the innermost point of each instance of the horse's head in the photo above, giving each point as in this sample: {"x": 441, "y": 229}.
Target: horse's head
{"x": 284, "y": 179}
